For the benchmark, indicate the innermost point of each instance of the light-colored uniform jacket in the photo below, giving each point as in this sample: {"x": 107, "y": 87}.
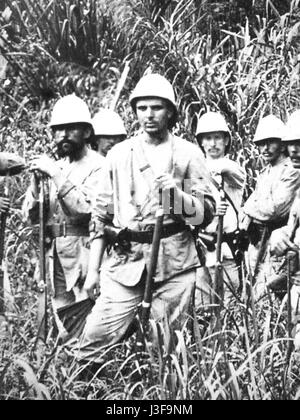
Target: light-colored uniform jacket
{"x": 126, "y": 199}
{"x": 70, "y": 203}
{"x": 274, "y": 194}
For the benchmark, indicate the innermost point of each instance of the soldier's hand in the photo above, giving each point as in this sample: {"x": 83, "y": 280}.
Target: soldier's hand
{"x": 92, "y": 284}
{"x": 222, "y": 208}
{"x": 219, "y": 166}
{"x": 166, "y": 182}
{"x": 280, "y": 243}
{"x": 4, "y": 205}
{"x": 45, "y": 165}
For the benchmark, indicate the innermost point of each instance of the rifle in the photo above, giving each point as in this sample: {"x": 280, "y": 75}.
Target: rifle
{"x": 148, "y": 293}
{"x": 3, "y": 219}
{"x": 219, "y": 283}
{"x": 42, "y": 286}
{"x": 289, "y": 258}
{"x": 120, "y": 86}
{"x": 200, "y": 246}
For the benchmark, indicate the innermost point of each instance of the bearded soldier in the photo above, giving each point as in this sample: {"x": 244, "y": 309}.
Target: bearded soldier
{"x": 214, "y": 137}
{"x": 73, "y": 182}
{"x": 109, "y": 130}
{"x": 268, "y": 207}
{"x": 288, "y": 237}
{"x": 135, "y": 171}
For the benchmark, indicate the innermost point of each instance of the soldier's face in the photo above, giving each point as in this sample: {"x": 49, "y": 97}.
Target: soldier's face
{"x": 105, "y": 143}
{"x": 154, "y": 115}
{"x": 271, "y": 150}
{"x": 214, "y": 144}
{"x": 70, "y": 139}
{"x": 294, "y": 153}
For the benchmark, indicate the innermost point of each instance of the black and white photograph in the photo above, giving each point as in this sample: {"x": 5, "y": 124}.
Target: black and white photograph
{"x": 149, "y": 203}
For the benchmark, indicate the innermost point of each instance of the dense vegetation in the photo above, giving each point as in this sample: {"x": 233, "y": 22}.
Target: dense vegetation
{"x": 239, "y": 57}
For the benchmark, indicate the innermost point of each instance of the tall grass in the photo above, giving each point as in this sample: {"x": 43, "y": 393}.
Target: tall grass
{"x": 194, "y": 368}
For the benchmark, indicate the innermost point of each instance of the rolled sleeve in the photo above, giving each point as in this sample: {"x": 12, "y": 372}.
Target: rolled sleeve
{"x": 277, "y": 203}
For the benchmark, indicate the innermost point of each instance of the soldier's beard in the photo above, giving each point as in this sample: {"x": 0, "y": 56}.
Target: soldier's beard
{"x": 69, "y": 149}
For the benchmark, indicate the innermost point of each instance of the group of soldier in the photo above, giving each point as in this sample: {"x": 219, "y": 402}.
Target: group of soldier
{"x": 120, "y": 185}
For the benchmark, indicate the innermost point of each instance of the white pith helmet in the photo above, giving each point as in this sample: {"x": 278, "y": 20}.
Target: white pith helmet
{"x": 270, "y": 127}
{"x": 70, "y": 110}
{"x": 292, "y": 131}
{"x": 155, "y": 86}
{"x": 211, "y": 122}
{"x": 108, "y": 123}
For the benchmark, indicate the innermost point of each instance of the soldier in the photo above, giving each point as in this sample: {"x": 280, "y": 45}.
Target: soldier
{"x": 73, "y": 182}
{"x": 214, "y": 137}
{"x": 288, "y": 237}
{"x": 109, "y": 130}
{"x": 268, "y": 207}
{"x": 135, "y": 171}
{"x": 10, "y": 164}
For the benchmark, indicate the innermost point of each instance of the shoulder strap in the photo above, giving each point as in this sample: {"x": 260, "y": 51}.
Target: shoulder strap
{"x": 144, "y": 166}
{"x": 295, "y": 227}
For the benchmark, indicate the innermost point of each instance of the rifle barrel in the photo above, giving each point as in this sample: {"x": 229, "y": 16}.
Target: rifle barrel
{"x": 120, "y": 86}
{"x": 42, "y": 301}
{"x": 219, "y": 281}
{"x": 146, "y": 305}
{"x": 2, "y": 243}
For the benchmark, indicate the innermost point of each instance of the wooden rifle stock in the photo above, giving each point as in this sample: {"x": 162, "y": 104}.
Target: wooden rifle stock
{"x": 42, "y": 287}
{"x": 219, "y": 281}
{"x": 148, "y": 293}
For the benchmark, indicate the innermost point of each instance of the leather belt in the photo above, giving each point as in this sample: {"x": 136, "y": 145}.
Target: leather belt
{"x": 146, "y": 236}
{"x": 58, "y": 230}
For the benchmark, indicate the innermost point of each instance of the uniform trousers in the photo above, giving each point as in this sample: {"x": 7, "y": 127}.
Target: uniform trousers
{"x": 61, "y": 296}
{"x": 116, "y": 309}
